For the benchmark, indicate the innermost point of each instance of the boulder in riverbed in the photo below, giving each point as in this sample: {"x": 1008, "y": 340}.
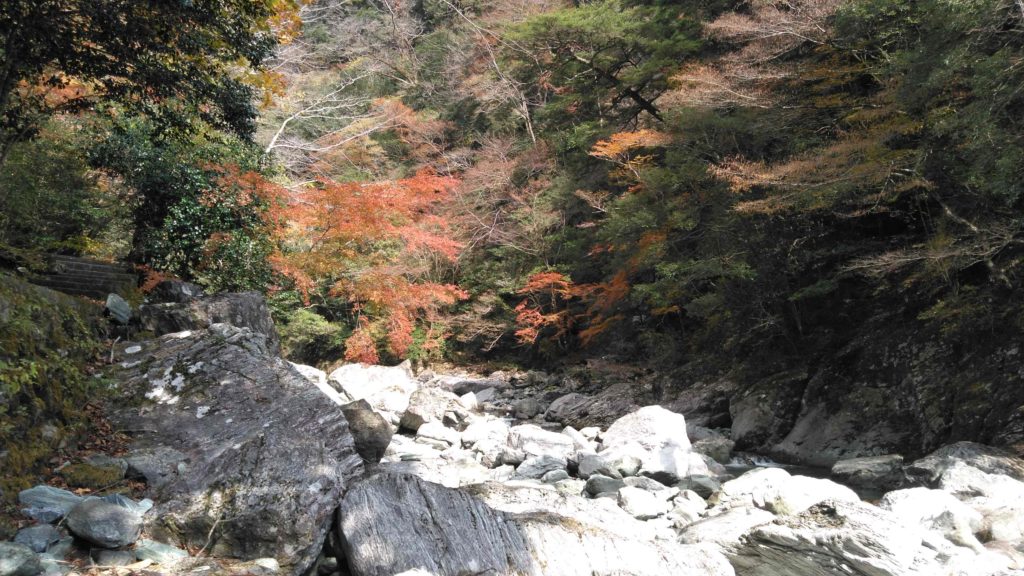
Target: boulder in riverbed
{"x": 18, "y": 560}
{"x": 104, "y": 524}
{"x": 393, "y": 523}
{"x": 244, "y": 310}
{"x": 878, "y": 472}
{"x": 386, "y": 388}
{"x": 835, "y": 539}
{"x": 371, "y": 433}
{"x": 267, "y": 455}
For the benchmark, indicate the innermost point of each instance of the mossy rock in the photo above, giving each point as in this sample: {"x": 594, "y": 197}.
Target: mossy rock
{"x": 85, "y": 475}
{"x": 47, "y": 340}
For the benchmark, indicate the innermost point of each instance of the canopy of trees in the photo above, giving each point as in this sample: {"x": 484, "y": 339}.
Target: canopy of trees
{"x": 661, "y": 180}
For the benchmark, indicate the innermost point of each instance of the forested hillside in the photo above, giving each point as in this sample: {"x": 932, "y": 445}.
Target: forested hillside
{"x": 692, "y": 179}
{"x": 805, "y": 198}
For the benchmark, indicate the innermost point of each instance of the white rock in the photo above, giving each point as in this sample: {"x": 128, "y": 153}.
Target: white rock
{"x": 437, "y": 431}
{"x": 662, "y": 436}
{"x": 624, "y": 459}
{"x": 469, "y": 401}
{"x": 578, "y": 439}
{"x": 590, "y": 432}
{"x": 485, "y": 429}
{"x": 727, "y": 528}
{"x": 775, "y": 490}
{"x": 936, "y": 510}
{"x": 653, "y": 427}
{"x": 688, "y": 507}
{"x": 833, "y": 539}
{"x": 641, "y": 504}
{"x": 966, "y": 481}
{"x": 386, "y": 388}
{"x": 535, "y": 441}
{"x": 319, "y": 379}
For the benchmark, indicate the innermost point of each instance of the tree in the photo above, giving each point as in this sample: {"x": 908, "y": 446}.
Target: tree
{"x": 372, "y": 246}
{"x": 174, "y": 61}
{"x": 606, "y": 60}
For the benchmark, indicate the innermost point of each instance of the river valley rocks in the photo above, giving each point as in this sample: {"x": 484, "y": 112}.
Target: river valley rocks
{"x": 273, "y": 468}
{"x": 393, "y": 522}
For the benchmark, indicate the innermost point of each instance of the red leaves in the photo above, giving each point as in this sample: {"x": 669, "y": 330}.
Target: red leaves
{"x": 361, "y": 242}
{"x": 554, "y": 305}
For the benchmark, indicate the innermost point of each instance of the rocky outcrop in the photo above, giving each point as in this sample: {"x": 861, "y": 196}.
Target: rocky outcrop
{"x": 243, "y": 310}
{"x": 370, "y": 432}
{"x": 263, "y": 455}
{"x": 392, "y": 523}
{"x": 18, "y": 560}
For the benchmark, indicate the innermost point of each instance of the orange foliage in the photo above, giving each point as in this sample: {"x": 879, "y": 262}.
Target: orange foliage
{"x": 544, "y": 307}
{"x": 361, "y": 345}
{"x": 151, "y": 277}
{"x": 348, "y": 238}
{"x": 552, "y": 297}
{"x": 621, "y": 148}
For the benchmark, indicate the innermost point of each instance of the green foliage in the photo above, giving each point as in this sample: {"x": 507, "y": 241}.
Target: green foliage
{"x": 605, "y": 60}
{"x": 309, "y": 338}
{"x": 956, "y": 65}
{"x": 191, "y": 220}
{"x": 51, "y": 200}
{"x": 174, "y": 61}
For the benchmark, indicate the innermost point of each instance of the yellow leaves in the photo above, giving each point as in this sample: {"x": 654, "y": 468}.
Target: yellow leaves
{"x": 622, "y": 149}
{"x": 286, "y": 20}
{"x": 619, "y": 147}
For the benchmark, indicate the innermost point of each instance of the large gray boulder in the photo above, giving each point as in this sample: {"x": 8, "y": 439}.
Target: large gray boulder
{"x": 46, "y": 503}
{"x": 104, "y": 524}
{"x": 370, "y": 432}
{"x": 242, "y": 309}
{"x": 429, "y": 405}
{"x": 601, "y": 409}
{"x": 38, "y": 537}
{"x": 878, "y": 472}
{"x": 177, "y": 291}
{"x": 392, "y": 523}
{"x": 660, "y": 441}
{"x": 562, "y": 408}
{"x": 267, "y": 453}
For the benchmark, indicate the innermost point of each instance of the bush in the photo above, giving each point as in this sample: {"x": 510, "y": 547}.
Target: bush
{"x": 309, "y": 338}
